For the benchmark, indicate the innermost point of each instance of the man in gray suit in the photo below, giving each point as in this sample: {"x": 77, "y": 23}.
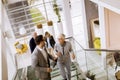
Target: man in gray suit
{"x": 40, "y": 60}
{"x": 63, "y": 50}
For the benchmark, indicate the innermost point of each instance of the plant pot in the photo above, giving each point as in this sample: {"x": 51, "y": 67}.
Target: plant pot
{"x": 39, "y": 26}
{"x": 39, "y": 29}
{"x": 50, "y": 23}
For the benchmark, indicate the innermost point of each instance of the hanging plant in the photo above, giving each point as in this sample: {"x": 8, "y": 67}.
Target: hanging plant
{"x": 39, "y": 26}
{"x": 50, "y": 23}
{"x": 56, "y": 10}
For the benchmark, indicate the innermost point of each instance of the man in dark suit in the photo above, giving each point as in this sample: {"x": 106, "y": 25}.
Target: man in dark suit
{"x": 32, "y": 43}
{"x": 40, "y": 60}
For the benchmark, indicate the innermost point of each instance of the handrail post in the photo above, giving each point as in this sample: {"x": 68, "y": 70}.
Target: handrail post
{"x": 86, "y": 60}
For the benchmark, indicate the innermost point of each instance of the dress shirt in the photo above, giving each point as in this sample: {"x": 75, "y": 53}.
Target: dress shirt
{"x": 43, "y": 52}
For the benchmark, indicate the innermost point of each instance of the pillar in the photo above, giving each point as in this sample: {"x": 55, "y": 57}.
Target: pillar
{"x": 103, "y": 34}
{"x": 68, "y": 30}
{"x": 8, "y": 67}
{"x": 4, "y": 62}
{"x": 84, "y": 24}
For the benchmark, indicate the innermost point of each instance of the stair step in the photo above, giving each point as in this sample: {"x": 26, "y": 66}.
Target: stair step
{"x": 55, "y": 73}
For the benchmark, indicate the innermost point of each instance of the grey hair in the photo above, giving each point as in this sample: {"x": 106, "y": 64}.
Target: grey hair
{"x": 61, "y": 36}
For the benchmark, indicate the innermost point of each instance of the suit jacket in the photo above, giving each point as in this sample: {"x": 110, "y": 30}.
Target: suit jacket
{"x": 40, "y": 64}
{"x": 32, "y": 44}
{"x": 67, "y": 50}
{"x": 52, "y": 41}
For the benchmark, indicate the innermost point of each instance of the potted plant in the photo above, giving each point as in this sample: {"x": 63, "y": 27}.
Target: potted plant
{"x": 39, "y": 25}
{"x": 90, "y": 75}
{"x": 50, "y": 28}
{"x": 39, "y": 28}
{"x": 57, "y": 12}
{"x": 50, "y": 23}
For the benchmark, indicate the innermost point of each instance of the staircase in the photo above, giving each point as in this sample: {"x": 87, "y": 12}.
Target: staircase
{"x": 55, "y": 74}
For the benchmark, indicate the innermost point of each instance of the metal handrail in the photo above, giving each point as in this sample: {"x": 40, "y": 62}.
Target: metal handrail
{"x": 78, "y": 43}
{"x": 14, "y": 78}
{"x": 93, "y": 49}
{"x": 104, "y": 50}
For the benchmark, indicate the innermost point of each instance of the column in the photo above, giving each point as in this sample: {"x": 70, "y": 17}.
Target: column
{"x": 8, "y": 66}
{"x": 103, "y": 35}
{"x": 68, "y": 30}
{"x": 84, "y": 24}
{"x": 4, "y": 61}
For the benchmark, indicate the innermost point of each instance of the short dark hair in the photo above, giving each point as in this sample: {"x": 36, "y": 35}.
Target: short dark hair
{"x": 46, "y": 33}
{"x": 39, "y": 39}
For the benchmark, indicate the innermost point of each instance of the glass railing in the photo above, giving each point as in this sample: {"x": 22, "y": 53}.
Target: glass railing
{"x": 95, "y": 64}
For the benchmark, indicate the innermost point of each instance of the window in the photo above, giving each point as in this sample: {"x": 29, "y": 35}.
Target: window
{"x": 21, "y": 14}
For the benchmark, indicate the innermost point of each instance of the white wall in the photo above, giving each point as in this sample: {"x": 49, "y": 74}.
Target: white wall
{"x": 0, "y": 44}
{"x": 113, "y": 5}
{"x": 7, "y": 47}
{"x": 112, "y": 25}
{"x": 4, "y": 61}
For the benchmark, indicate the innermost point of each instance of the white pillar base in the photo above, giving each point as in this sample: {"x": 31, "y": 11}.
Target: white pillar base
{"x": 39, "y": 31}
{"x": 68, "y": 28}
{"x": 51, "y": 30}
{"x": 60, "y": 28}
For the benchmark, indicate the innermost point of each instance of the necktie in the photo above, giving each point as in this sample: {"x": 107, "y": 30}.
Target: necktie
{"x": 63, "y": 50}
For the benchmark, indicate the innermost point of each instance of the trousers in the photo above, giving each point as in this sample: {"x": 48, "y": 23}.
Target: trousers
{"x": 65, "y": 70}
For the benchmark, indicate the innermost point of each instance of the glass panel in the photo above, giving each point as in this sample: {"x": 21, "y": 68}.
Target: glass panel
{"x": 94, "y": 65}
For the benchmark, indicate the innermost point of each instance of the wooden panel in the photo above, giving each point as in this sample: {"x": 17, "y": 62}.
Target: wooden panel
{"x": 112, "y": 29}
